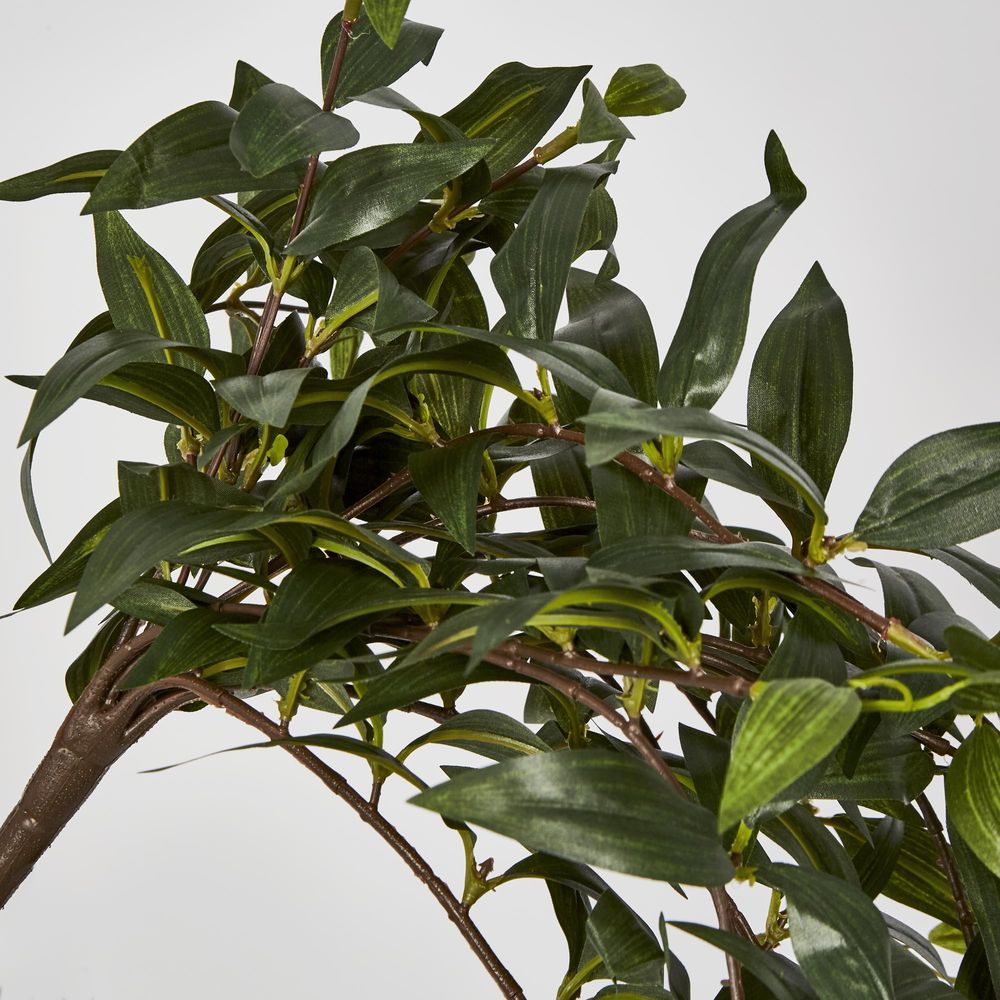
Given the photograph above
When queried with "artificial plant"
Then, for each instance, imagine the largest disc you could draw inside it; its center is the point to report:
(329, 522)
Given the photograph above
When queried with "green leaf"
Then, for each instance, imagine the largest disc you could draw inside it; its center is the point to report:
(156, 601)
(79, 370)
(972, 791)
(983, 890)
(177, 315)
(597, 123)
(642, 90)
(913, 980)
(369, 62)
(656, 556)
(709, 339)
(838, 936)
(895, 768)
(721, 464)
(387, 18)
(515, 106)
(491, 734)
(611, 431)
(347, 744)
(600, 808)
(532, 268)
(800, 388)
(28, 498)
(628, 508)
(63, 575)
(247, 80)
(187, 642)
(75, 173)
(83, 668)
(184, 156)
(981, 574)
(943, 490)
(370, 187)
(268, 399)
(906, 594)
(784, 981)
(279, 125)
(791, 726)
(628, 948)
(448, 480)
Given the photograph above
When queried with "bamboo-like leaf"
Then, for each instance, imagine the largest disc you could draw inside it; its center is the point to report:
(792, 725)
(28, 498)
(839, 938)
(75, 173)
(709, 339)
(800, 390)
(63, 575)
(370, 187)
(981, 574)
(611, 431)
(600, 808)
(532, 268)
(982, 886)
(268, 399)
(597, 122)
(626, 945)
(278, 126)
(515, 106)
(177, 314)
(943, 490)
(482, 731)
(972, 790)
(186, 155)
(642, 90)
(387, 18)
(448, 480)
(369, 62)
(906, 594)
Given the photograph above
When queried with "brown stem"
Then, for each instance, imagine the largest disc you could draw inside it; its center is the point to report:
(965, 918)
(458, 914)
(273, 300)
(723, 909)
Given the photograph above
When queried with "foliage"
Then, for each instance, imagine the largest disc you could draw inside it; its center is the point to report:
(354, 465)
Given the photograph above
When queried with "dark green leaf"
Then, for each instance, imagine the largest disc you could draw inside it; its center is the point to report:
(838, 936)
(907, 595)
(784, 981)
(369, 62)
(791, 726)
(643, 90)
(63, 575)
(532, 268)
(177, 316)
(894, 768)
(806, 650)
(597, 123)
(983, 576)
(83, 668)
(28, 498)
(156, 601)
(184, 156)
(268, 399)
(943, 490)
(983, 890)
(913, 980)
(717, 462)
(611, 431)
(972, 789)
(876, 861)
(448, 480)
(709, 340)
(515, 106)
(628, 948)
(800, 388)
(387, 18)
(628, 508)
(247, 80)
(370, 187)
(482, 731)
(600, 808)
(279, 125)
(75, 173)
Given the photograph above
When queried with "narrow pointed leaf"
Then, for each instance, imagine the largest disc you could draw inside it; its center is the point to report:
(268, 399)
(28, 498)
(839, 938)
(600, 808)
(972, 790)
(448, 480)
(482, 731)
(791, 726)
(186, 155)
(629, 949)
(981, 574)
(247, 80)
(800, 383)
(942, 491)
(278, 126)
(532, 268)
(75, 173)
(369, 62)
(709, 340)
(642, 90)
(515, 106)
(597, 122)
(982, 886)
(370, 187)
(387, 18)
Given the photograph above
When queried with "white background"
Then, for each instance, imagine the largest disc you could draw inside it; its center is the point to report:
(239, 876)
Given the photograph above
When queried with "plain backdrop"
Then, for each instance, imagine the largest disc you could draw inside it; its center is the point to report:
(239, 875)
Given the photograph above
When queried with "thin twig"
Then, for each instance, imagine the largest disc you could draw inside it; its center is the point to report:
(723, 909)
(965, 918)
